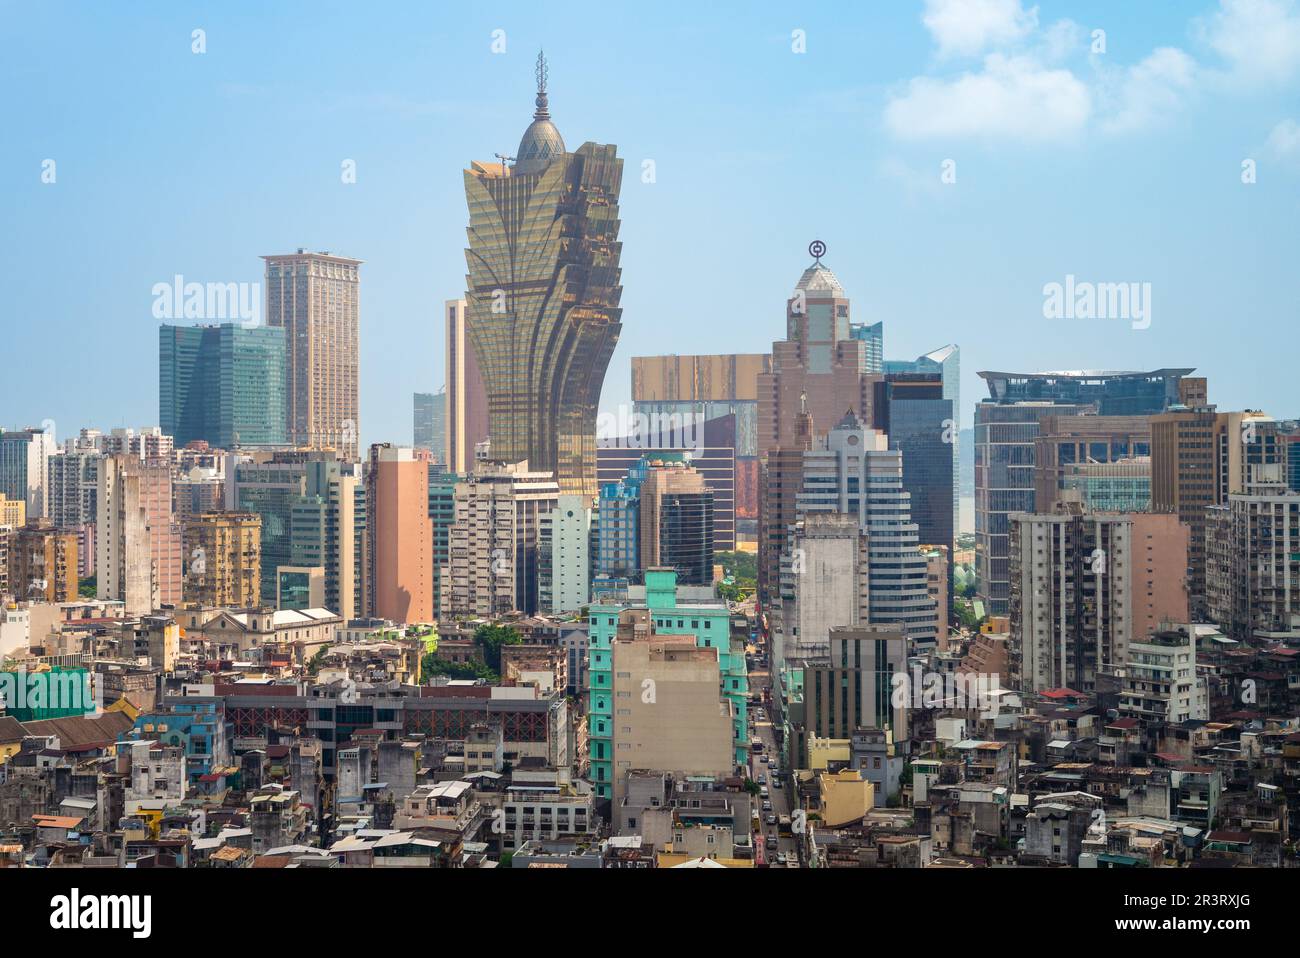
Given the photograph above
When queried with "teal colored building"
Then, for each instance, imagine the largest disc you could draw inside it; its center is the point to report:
(710, 623)
(222, 384)
(442, 510)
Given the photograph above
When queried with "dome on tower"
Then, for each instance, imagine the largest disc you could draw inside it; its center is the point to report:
(541, 142)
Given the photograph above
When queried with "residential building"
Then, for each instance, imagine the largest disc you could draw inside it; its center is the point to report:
(43, 563)
(399, 536)
(315, 299)
(564, 555)
(24, 467)
(224, 560)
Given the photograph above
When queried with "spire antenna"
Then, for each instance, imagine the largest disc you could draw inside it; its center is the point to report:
(542, 73)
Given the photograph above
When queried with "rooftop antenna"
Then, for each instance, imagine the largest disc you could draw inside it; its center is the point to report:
(505, 159)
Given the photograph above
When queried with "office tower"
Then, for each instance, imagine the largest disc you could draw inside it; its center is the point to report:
(327, 530)
(137, 540)
(676, 523)
(543, 296)
(618, 530)
(269, 486)
(222, 384)
(1123, 485)
(944, 362)
(467, 404)
(24, 467)
(818, 368)
(430, 424)
(705, 389)
(1085, 586)
(873, 334)
(13, 512)
(1253, 562)
(300, 587)
(851, 686)
(564, 555)
(1064, 442)
(399, 536)
(315, 299)
(920, 421)
(781, 478)
(854, 472)
(661, 614)
(709, 446)
(223, 566)
(493, 545)
(43, 563)
(73, 485)
(1200, 457)
(1006, 427)
(442, 513)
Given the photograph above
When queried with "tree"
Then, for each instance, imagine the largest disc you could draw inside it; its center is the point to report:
(490, 638)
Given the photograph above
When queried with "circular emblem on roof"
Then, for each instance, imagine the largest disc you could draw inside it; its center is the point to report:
(817, 249)
(852, 439)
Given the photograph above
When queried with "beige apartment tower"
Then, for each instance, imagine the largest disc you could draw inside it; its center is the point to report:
(43, 563)
(224, 560)
(137, 540)
(466, 415)
(315, 298)
(668, 714)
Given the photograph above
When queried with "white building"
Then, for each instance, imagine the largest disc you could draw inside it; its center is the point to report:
(24, 468)
(565, 547)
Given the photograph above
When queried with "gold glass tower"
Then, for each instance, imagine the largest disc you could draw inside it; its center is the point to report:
(543, 295)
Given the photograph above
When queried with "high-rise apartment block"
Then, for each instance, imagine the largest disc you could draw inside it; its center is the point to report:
(399, 536)
(315, 299)
(43, 563)
(223, 560)
(138, 541)
(467, 410)
(493, 548)
(564, 555)
(1085, 586)
(1253, 561)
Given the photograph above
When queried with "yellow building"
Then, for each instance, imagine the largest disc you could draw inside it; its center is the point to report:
(845, 797)
(223, 560)
(13, 512)
(823, 751)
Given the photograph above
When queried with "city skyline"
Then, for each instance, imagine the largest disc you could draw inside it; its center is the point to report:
(1148, 140)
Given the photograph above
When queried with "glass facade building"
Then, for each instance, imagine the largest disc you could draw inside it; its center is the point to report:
(429, 423)
(224, 385)
(542, 290)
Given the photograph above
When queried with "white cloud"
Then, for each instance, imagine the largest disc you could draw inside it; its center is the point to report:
(1284, 141)
(1151, 90)
(969, 27)
(1014, 97)
(1259, 39)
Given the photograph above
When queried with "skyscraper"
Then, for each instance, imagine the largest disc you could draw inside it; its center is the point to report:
(24, 466)
(429, 429)
(136, 535)
(543, 295)
(222, 384)
(315, 298)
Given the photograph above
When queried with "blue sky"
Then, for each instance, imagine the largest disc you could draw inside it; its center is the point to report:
(1118, 166)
